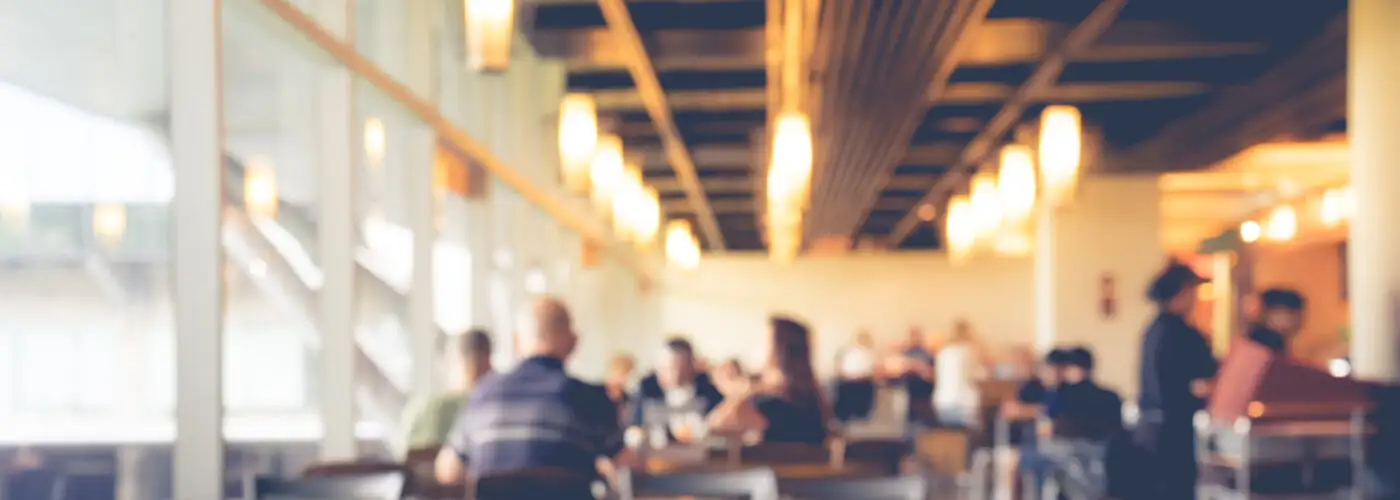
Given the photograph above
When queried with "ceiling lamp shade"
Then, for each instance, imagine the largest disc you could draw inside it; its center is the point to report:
(790, 168)
(490, 24)
(627, 203)
(109, 223)
(961, 234)
(1282, 224)
(986, 205)
(1336, 206)
(376, 142)
(1250, 231)
(260, 189)
(1016, 184)
(606, 171)
(578, 137)
(648, 217)
(1061, 149)
(682, 249)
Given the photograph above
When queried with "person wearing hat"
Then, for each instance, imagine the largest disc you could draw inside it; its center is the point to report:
(1176, 369)
(1280, 318)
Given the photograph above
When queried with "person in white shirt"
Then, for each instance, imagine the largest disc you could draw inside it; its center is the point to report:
(958, 369)
(855, 379)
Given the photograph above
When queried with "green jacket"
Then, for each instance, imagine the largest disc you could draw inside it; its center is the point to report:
(430, 422)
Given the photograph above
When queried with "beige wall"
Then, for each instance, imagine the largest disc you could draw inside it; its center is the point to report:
(724, 304)
(1314, 269)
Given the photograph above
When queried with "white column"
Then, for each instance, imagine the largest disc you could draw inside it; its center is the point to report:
(196, 138)
(422, 220)
(1043, 265)
(1373, 116)
(478, 223)
(1222, 311)
(338, 145)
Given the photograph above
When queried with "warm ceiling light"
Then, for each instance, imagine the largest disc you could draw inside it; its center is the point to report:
(790, 167)
(1061, 143)
(490, 24)
(1013, 241)
(682, 249)
(1282, 224)
(260, 188)
(376, 142)
(1016, 184)
(960, 229)
(648, 217)
(927, 212)
(1250, 231)
(626, 203)
(1336, 206)
(578, 137)
(986, 207)
(109, 223)
(606, 171)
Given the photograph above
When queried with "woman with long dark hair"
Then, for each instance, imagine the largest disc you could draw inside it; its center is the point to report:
(784, 400)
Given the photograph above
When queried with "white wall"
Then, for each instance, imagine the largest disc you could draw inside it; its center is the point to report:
(723, 305)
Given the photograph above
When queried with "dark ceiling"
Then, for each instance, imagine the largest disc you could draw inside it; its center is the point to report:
(1153, 63)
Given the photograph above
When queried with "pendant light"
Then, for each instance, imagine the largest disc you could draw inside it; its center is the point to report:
(578, 137)
(109, 223)
(985, 205)
(605, 171)
(1016, 184)
(376, 142)
(682, 249)
(1282, 224)
(960, 230)
(490, 24)
(1250, 231)
(1061, 150)
(260, 188)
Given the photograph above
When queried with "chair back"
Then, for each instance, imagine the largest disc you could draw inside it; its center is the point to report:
(871, 488)
(532, 483)
(421, 483)
(375, 486)
(749, 484)
(340, 469)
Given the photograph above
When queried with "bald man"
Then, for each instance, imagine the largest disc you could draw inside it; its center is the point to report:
(534, 416)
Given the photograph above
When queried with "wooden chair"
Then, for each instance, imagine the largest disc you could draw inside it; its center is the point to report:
(376, 486)
(750, 484)
(421, 483)
(874, 488)
(532, 483)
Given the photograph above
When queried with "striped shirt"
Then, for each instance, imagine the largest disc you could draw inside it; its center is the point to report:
(535, 416)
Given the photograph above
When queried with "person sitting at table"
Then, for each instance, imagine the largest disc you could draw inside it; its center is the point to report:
(784, 402)
(675, 386)
(430, 421)
(1280, 318)
(855, 379)
(1085, 418)
(535, 416)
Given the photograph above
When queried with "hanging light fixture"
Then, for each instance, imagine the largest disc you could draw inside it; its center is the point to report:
(648, 217)
(682, 249)
(109, 223)
(260, 188)
(1250, 231)
(1282, 224)
(490, 24)
(1336, 206)
(605, 171)
(578, 137)
(1016, 183)
(985, 204)
(1061, 143)
(376, 142)
(790, 168)
(960, 228)
(626, 203)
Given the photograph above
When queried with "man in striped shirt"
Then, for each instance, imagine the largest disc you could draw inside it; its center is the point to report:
(534, 416)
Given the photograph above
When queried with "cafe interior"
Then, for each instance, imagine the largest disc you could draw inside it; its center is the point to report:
(242, 242)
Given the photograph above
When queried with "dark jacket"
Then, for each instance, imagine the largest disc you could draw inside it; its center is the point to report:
(1088, 411)
(1273, 340)
(650, 391)
(1173, 355)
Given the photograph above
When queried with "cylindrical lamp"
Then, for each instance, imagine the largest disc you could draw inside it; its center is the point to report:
(490, 24)
(578, 137)
(605, 171)
(1061, 150)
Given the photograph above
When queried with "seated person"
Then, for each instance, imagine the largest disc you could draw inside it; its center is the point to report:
(1280, 318)
(430, 421)
(1032, 398)
(676, 385)
(535, 416)
(784, 404)
(1084, 418)
(855, 379)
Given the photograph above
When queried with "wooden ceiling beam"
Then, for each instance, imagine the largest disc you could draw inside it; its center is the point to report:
(958, 93)
(738, 156)
(999, 42)
(1040, 80)
(1303, 93)
(680, 207)
(629, 41)
(720, 185)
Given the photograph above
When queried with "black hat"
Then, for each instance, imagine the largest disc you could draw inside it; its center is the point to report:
(1284, 298)
(1175, 278)
(1080, 357)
